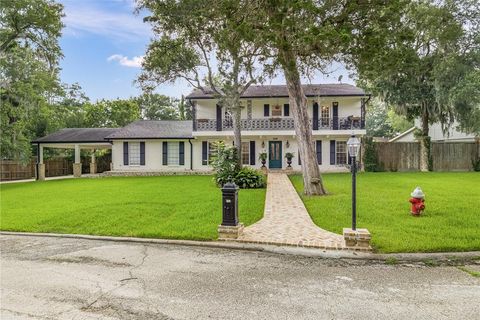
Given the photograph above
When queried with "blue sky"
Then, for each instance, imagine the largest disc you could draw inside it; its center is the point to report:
(103, 43)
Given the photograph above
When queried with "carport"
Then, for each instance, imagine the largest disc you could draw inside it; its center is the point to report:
(77, 139)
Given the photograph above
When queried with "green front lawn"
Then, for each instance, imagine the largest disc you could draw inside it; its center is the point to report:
(176, 207)
(451, 221)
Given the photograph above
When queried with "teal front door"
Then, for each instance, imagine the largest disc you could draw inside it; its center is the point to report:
(275, 155)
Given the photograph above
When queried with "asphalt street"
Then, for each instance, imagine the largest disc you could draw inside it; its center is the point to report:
(56, 278)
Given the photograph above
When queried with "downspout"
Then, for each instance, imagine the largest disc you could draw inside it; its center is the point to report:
(191, 154)
(37, 176)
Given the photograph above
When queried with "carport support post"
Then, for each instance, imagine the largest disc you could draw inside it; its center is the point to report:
(77, 166)
(40, 164)
(93, 163)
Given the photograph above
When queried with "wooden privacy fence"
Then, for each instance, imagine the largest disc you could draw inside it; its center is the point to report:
(454, 156)
(447, 156)
(399, 156)
(14, 170)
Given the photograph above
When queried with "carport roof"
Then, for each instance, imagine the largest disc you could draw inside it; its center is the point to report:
(77, 135)
(155, 129)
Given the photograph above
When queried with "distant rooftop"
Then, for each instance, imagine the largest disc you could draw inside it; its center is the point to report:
(311, 90)
(77, 135)
(154, 129)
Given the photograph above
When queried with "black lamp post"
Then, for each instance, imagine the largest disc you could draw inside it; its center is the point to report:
(353, 145)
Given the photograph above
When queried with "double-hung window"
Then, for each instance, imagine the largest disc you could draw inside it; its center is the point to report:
(245, 153)
(134, 153)
(173, 154)
(341, 152)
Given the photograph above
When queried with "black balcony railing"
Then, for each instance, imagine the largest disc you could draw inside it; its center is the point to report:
(336, 123)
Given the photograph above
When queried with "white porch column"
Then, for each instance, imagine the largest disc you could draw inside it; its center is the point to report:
(77, 166)
(93, 163)
(40, 164)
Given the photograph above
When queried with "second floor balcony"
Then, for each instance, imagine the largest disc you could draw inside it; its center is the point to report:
(333, 123)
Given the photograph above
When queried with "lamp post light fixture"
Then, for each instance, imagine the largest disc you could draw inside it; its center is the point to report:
(353, 145)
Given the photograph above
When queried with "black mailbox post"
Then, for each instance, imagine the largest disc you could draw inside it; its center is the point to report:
(230, 204)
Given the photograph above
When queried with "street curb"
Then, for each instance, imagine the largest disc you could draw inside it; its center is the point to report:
(393, 258)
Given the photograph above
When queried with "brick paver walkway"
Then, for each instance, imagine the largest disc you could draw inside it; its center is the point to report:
(286, 220)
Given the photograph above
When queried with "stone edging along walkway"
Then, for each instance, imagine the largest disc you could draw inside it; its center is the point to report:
(275, 249)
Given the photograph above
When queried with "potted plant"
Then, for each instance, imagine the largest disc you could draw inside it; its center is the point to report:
(289, 156)
(263, 158)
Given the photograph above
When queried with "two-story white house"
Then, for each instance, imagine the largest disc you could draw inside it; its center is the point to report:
(336, 110)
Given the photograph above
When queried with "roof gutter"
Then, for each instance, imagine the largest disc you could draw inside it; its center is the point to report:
(191, 154)
(37, 165)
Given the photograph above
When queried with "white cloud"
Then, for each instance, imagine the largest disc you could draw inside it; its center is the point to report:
(135, 62)
(87, 17)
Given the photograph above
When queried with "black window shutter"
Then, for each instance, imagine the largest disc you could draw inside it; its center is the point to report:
(252, 153)
(266, 110)
(319, 151)
(299, 160)
(165, 153)
(335, 115)
(181, 153)
(286, 110)
(315, 116)
(142, 153)
(125, 153)
(204, 153)
(219, 118)
(332, 152)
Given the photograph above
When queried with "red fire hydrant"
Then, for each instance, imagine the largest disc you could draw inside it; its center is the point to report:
(418, 202)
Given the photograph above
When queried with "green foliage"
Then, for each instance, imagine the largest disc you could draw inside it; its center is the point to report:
(111, 113)
(262, 156)
(29, 54)
(289, 155)
(156, 106)
(476, 164)
(425, 68)
(382, 121)
(249, 178)
(224, 163)
(370, 156)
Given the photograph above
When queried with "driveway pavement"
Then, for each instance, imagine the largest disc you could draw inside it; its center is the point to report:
(55, 278)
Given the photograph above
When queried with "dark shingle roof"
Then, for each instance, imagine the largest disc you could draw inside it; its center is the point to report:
(311, 90)
(77, 135)
(154, 129)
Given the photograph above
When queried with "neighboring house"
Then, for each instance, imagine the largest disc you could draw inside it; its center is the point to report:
(436, 134)
(336, 110)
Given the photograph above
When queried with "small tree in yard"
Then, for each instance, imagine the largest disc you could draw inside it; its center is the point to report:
(204, 43)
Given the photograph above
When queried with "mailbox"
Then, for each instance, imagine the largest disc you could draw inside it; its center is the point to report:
(230, 204)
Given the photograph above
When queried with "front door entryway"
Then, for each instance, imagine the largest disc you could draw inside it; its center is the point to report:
(275, 155)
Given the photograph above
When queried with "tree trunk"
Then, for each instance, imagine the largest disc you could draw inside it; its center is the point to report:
(312, 181)
(237, 133)
(425, 142)
(234, 107)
